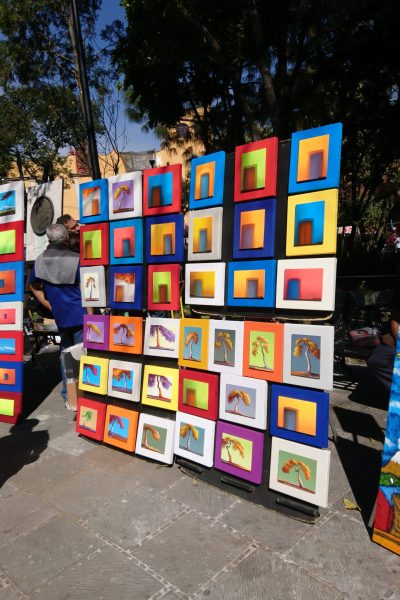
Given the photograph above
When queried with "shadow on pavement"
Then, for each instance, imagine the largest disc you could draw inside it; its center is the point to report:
(359, 424)
(41, 375)
(22, 447)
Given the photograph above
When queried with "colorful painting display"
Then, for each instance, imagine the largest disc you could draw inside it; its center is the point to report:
(207, 181)
(307, 348)
(12, 241)
(198, 394)
(125, 196)
(93, 374)
(306, 284)
(255, 170)
(93, 286)
(93, 201)
(204, 284)
(126, 242)
(12, 282)
(10, 407)
(163, 287)
(243, 401)
(300, 471)
(126, 334)
(124, 380)
(11, 316)
(94, 246)
(205, 234)
(162, 190)
(300, 415)
(226, 346)
(263, 350)
(11, 376)
(194, 439)
(161, 337)
(126, 287)
(155, 438)
(12, 202)
(239, 451)
(120, 427)
(90, 418)
(96, 332)
(252, 283)
(160, 387)
(254, 229)
(194, 343)
(164, 239)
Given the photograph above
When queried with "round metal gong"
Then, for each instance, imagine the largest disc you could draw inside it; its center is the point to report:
(42, 215)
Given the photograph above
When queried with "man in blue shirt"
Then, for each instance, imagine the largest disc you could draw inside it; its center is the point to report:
(54, 282)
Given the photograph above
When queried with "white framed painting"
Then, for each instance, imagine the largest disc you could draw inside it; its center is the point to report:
(155, 438)
(225, 348)
(306, 283)
(12, 202)
(308, 355)
(44, 205)
(205, 234)
(161, 337)
(300, 471)
(243, 400)
(124, 380)
(11, 316)
(194, 439)
(125, 196)
(93, 286)
(205, 284)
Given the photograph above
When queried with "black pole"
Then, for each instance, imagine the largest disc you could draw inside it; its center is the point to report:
(87, 106)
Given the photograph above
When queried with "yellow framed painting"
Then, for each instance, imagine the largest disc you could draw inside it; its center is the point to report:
(312, 223)
(93, 374)
(194, 343)
(160, 387)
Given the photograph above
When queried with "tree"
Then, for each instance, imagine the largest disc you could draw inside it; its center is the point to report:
(187, 431)
(223, 339)
(90, 326)
(87, 367)
(229, 443)
(239, 396)
(298, 466)
(261, 344)
(158, 331)
(191, 338)
(161, 382)
(87, 416)
(149, 429)
(91, 284)
(309, 348)
(115, 419)
(126, 333)
(123, 374)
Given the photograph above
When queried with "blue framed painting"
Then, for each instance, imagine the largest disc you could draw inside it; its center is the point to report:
(207, 180)
(300, 415)
(126, 242)
(252, 283)
(315, 159)
(12, 281)
(126, 287)
(164, 239)
(93, 201)
(254, 229)
(11, 376)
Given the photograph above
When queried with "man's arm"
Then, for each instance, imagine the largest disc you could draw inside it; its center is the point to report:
(37, 291)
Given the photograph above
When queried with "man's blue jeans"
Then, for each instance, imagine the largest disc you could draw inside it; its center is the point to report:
(69, 337)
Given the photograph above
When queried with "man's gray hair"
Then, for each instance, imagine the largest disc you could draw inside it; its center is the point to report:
(57, 233)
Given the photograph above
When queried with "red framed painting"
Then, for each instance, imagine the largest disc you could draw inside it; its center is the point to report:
(162, 190)
(94, 241)
(163, 287)
(10, 407)
(255, 170)
(90, 418)
(12, 241)
(11, 346)
(198, 393)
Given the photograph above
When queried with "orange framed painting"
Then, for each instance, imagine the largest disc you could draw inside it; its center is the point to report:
(126, 334)
(263, 351)
(120, 427)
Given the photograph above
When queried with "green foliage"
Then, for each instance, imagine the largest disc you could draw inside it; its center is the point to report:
(387, 479)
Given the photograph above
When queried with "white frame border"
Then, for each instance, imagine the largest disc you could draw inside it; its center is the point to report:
(216, 252)
(136, 177)
(328, 283)
(169, 425)
(219, 269)
(172, 323)
(102, 301)
(238, 327)
(261, 388)
(136, 368)
(209, 438)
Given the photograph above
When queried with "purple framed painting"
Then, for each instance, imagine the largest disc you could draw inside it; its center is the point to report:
(239, 451)
(96, 331)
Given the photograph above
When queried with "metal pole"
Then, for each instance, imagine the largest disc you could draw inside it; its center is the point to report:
(87, 106)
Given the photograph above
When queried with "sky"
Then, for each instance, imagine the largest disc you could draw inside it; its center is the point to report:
(137, 139)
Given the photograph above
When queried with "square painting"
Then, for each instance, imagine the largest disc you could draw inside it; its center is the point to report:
(207, 180)
(93, 374)
(194, 439)
(12, 241)
(161, 337)
(12, 202)
(11, 316)
(198, 394)
(155, 438)
(96, 332)
(263, 350)
(125, 196)
(94, 248)
(93, 286)
(163, 287)
(126, 242)
(300, 415)
(120, 427)
(162, 190)
(10, 407)
(11, 376)
(243, 401)
(90, 417)
(126, 287)
(11, 346)
(205, 284)
(12, 281)
(308, 356)
(164, 239)
(312, 223)
(315, 159)
(160, 387)
(205, 234)
(252, 283)
(255, 170)
(239, 451)
(93, 201)
(306, 284)
(194, 343)
(300, 471)
(254, 229)
(124, 380)
(126, 334)
(226, 346)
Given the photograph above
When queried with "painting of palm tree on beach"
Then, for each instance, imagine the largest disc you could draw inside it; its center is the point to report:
(236, 451)
(88, 418)
(122, 380)
(94, 332)
(161, 337)
(122, 193)
(224, 347)
(192, 343)
(191, 438)
(240, 400)
(118, 428)
(7, 203)
(306, 354)
(159, 387)
(154, 438)
(261, 350)
(123, 334)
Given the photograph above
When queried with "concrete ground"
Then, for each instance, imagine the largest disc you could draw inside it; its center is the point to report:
(82, 521)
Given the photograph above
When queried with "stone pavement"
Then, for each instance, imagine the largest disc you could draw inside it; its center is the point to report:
(82, 521)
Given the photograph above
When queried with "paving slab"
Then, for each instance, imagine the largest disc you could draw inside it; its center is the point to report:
(338, 482)
(9, 593)
(32, 560)
(190, 551)
(201, 497)
(21, 512)
(264, 575)
(130, 517)
(341, 553)
(106, 574)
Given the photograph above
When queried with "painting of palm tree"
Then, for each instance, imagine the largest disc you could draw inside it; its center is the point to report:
(123, 196)
(88, 419)
(122, 380)
(260, 347)
(306, 353)
(90, 286)
(118, 427)
(300, 470)
(192, 345)
(153, 438)
(224, 347)
(124, 334)
(233, 452)
(191, 438)
(237, 397)
(91, 374)
(162, 384)
(162, 337)
(93, 333)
